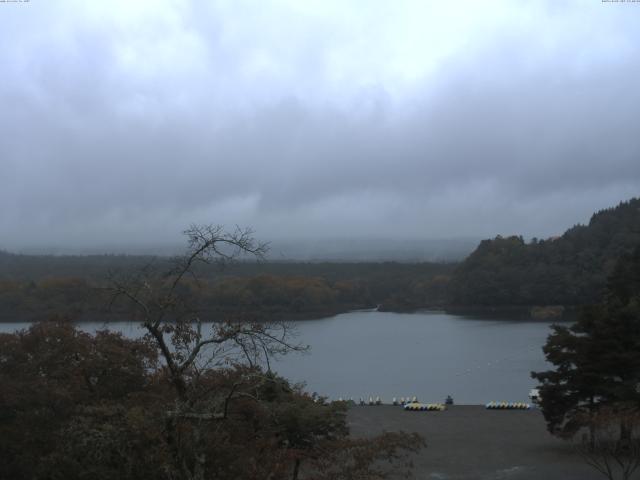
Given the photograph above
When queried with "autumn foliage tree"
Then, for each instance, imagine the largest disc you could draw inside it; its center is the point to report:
(190, 400)
(49, 375)
(75, 405)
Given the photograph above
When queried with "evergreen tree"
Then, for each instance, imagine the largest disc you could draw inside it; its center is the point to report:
(597, 360)
(571, 269)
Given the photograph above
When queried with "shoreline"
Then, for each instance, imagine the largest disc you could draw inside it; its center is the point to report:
(507, 313)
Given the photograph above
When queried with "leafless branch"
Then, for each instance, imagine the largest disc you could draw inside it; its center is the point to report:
(614, 444)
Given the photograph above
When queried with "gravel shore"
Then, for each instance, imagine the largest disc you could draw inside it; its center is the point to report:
(470, 442)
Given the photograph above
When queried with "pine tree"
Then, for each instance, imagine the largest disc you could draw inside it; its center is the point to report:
(597, 360)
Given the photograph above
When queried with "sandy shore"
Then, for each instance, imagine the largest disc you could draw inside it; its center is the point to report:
(470, 442)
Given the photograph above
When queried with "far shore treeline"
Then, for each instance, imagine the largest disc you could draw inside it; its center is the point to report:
(509, 273)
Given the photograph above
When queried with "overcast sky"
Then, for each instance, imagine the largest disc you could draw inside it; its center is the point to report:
(125, 121)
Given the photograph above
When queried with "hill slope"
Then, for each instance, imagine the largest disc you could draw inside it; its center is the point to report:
(569, 270)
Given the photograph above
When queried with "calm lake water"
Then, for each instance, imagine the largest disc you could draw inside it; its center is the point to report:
(427, 354)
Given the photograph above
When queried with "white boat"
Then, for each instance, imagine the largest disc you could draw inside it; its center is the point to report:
(534, 395)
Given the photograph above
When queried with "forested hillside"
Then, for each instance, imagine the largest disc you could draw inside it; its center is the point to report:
(567, 270)
(37, 287)
(506, 271)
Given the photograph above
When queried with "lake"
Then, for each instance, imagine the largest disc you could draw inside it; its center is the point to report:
(426, 354)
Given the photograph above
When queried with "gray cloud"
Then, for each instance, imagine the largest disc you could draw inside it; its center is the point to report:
(127, 123)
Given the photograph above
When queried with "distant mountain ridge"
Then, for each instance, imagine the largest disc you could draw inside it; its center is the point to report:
(568, 270)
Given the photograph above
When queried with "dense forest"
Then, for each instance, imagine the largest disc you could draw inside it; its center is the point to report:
(568, 270)
(35, 287)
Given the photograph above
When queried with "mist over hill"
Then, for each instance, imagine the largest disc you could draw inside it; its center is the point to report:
(357, 249)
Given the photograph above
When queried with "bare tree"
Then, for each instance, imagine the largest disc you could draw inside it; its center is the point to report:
(612, 446)
(162, 303)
